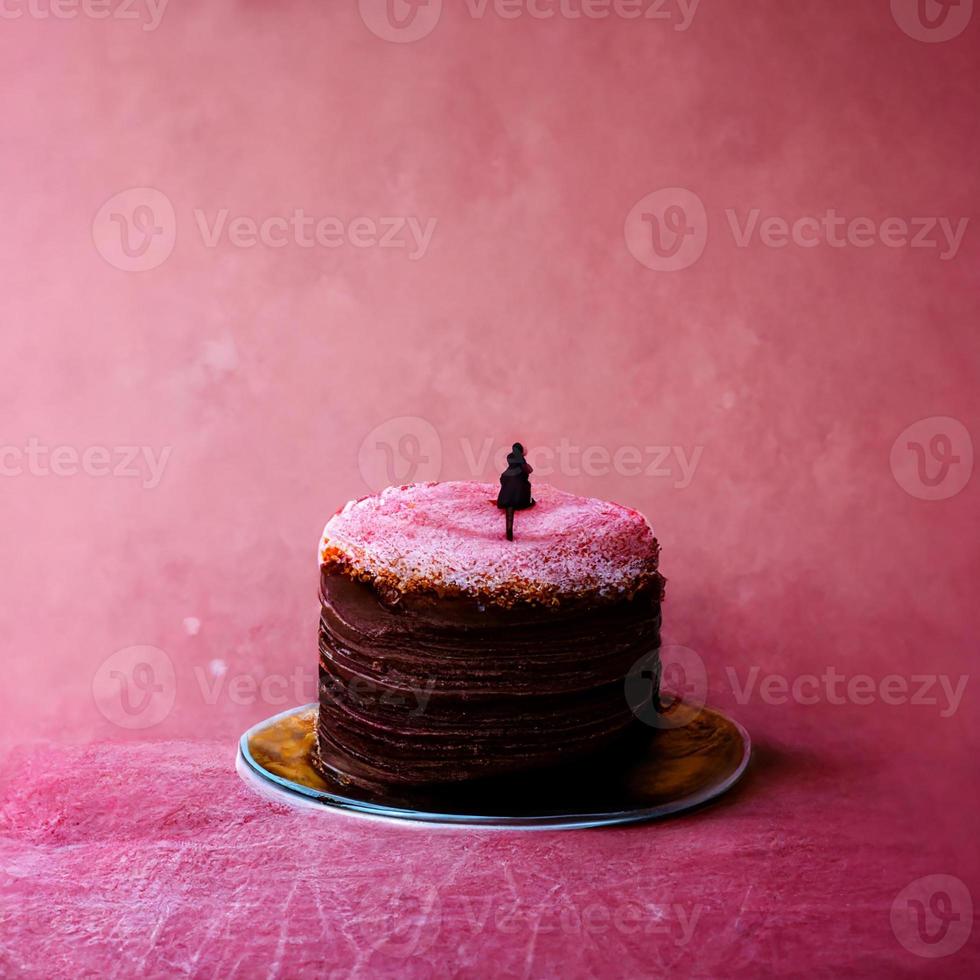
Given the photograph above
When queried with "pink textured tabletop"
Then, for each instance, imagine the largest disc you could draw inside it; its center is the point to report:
(155, 860)
(717, 263)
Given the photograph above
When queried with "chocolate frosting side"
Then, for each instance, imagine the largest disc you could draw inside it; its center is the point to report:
(434, 690)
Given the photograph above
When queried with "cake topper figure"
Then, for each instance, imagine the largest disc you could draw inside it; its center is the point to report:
(515, 487)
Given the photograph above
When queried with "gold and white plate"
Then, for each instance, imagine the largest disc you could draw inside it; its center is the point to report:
(659, 773)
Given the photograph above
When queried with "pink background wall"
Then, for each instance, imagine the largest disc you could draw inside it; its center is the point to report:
(781, 377)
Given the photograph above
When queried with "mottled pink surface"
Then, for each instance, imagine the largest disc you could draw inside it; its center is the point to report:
(451, 537)
(791, 403)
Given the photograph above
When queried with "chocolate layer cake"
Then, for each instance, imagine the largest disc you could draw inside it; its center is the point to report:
(448, 653)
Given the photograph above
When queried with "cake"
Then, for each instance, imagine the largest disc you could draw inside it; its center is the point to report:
(449, 654)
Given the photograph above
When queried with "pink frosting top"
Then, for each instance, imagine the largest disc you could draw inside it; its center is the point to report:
(449, 538)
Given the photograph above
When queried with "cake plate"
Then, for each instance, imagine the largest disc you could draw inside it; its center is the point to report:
(661, 772)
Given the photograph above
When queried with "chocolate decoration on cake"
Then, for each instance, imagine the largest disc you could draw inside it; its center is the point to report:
(515, 486)
(448, 655)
